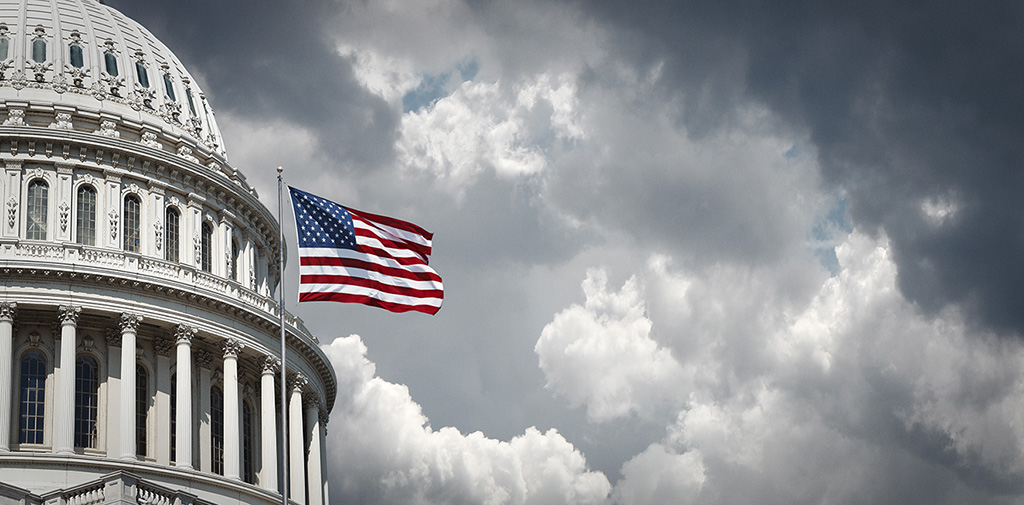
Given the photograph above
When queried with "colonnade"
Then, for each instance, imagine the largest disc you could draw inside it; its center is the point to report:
(305, 416)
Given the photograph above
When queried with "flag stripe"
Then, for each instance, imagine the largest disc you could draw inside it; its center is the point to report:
(389, 241)
(346, 257)
(369, 300)
(371, 283)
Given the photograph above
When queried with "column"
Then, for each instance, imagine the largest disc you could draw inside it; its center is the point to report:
(316, 485)
(203, 362)
(296, 448)
(8, 310)
(183, 422)
(268, 418)
(113, 392)
(323, 455)
(232, 426)
(64, 404)
(129, 328)
(163, 346)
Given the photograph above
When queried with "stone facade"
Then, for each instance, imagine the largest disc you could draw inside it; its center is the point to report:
(139, 337)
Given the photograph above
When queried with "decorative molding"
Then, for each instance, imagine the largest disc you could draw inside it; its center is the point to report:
(34, 339)
(68, 314)
(87, 344)
(231, 348)
(183, 334)
(15, 117)
(8, 311)
(130, 322)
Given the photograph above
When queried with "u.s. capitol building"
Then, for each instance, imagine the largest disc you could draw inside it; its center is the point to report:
(139, 337)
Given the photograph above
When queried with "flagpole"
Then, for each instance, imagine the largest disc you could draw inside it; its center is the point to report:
(285, 478)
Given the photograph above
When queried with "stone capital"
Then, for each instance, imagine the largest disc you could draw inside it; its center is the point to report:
(8, 311)
(297, 382)
(231, 348)
(130, 322)
(68, 314)
(184, 333)
(270, 365)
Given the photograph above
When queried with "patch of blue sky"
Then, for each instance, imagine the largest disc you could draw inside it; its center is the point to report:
(437, 86)
(828, 231)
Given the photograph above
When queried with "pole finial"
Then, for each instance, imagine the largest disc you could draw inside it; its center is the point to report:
(280, 169)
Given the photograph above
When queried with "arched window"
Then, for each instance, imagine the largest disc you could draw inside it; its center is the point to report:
(174, 416)
(140, 71)
(172, 233)
(248, 441)
(86, 400)
(234, 260)
(191, 104)
(32, 403)
(39, 51)
(141, 408)
(169, 87)
(206, 261)
(38, 201)
(217, 429)
(85, 216)
(77, 58)
(110, 62)
(132, 223)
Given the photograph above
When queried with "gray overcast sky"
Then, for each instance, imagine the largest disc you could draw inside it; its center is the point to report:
(694, 252)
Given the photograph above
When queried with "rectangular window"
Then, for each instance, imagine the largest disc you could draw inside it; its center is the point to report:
(85, 216)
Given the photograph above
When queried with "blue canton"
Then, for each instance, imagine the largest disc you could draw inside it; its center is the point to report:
(322, 223)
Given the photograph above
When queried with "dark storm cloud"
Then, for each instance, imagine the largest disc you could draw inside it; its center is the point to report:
(268, 60)
(905, 101)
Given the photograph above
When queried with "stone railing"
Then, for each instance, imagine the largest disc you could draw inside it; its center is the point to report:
(142, 267)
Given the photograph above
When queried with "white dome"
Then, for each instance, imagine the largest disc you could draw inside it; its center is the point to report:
(83, 54)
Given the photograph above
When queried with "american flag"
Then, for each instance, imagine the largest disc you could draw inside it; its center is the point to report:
(346, 255)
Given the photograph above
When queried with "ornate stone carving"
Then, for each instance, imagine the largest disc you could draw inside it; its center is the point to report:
(62, 121)
(64, 211)
(12, 212)
(198, 243)
(186, 152)
(113, 338)
(231, 348)
(203, 358)
(130, 322)
(270, 364)
(158, 231)
(18, 81)
(15, 117)
(113, 222)
(149, 139)
(68, 314)
(78, 75)
(183, 334)
(297, 382)
(108, 128)
(8, 311)
(87, 343)
(34, 338)
(323, 420)
(162, 346)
